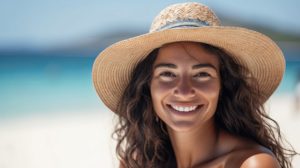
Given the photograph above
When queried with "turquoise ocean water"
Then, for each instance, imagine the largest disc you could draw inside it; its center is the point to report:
(43, 84)
(35, 84)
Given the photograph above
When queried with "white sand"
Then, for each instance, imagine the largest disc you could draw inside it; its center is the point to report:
(64, 141)
(82, 140)
(282, 109)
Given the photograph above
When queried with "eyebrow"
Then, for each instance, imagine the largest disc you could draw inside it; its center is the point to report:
(168, 65)
(197, 66)
(203, 66)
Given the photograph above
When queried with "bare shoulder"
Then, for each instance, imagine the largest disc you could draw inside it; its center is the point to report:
(265, 160)
(245, 153)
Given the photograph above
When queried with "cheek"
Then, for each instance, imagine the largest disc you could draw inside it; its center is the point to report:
(210, 92)
(159, 91)
(210, 89)
(160, 88)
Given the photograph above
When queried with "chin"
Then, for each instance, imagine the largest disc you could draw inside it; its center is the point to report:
(182, 126)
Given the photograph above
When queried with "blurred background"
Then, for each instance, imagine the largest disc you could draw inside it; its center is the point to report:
(50, 115)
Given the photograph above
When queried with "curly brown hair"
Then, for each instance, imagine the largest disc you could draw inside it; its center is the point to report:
(142, 140)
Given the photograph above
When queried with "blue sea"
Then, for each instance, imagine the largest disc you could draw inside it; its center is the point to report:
(55, 84)
(44, 84)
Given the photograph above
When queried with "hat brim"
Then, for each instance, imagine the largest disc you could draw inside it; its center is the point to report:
(114, 65)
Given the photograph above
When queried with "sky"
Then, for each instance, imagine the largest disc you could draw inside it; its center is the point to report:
(40, 23)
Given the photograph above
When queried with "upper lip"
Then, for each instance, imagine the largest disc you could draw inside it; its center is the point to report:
(183, 104)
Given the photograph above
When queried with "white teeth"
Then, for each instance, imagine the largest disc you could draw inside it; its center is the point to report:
(184, 109)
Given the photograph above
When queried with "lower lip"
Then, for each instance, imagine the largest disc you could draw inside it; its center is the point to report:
(184, 113)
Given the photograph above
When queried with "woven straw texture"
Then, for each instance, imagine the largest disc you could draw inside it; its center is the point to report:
(113, 66)
(184, 11)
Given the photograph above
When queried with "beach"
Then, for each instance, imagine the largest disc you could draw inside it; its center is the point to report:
(83, 139)
(78, 140)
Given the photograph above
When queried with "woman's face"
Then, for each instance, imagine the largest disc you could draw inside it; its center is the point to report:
(185, 86)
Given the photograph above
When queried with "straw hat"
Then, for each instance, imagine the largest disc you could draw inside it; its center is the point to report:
(187, 22)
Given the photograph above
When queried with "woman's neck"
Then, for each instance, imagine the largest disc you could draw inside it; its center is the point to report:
(196, 146)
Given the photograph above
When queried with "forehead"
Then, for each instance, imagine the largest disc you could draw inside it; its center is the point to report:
(185, 52)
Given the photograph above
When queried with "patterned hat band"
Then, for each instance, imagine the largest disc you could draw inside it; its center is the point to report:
(187, 23)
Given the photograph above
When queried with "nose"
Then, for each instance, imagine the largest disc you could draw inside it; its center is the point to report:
(184, 89)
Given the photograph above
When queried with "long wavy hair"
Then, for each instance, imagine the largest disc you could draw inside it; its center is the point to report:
(142, 140)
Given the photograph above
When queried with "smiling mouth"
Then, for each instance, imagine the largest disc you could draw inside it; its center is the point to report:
(184, 109)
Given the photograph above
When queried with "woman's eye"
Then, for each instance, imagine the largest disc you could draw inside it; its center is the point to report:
(202, 75)
(167, 75)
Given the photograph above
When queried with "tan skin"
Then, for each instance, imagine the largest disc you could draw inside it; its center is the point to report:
(185, 89)
(187, 78)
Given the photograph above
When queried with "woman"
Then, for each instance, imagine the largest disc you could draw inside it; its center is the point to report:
(190, 93)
